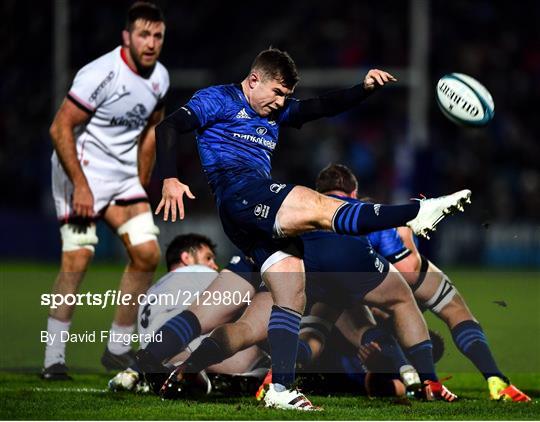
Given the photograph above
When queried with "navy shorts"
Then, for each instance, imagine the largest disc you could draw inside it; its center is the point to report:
(340, 269)
(248, 213)
(243, 267)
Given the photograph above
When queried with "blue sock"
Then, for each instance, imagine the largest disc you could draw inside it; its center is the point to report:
(283, 338)
(421, 357)
(472, 342)
(303, 356)
(208, 353)
(390, 347)
(176, 333)
(362, 218)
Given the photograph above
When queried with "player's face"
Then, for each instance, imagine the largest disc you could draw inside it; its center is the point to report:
(267, 95)
(205, 256)
(145, 41)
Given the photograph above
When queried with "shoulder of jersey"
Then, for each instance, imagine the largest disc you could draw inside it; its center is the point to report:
(106, 62)
(195, 269)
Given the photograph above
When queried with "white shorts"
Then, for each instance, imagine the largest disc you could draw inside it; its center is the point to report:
(106, 192)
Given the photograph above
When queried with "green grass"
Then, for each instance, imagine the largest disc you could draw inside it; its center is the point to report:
(24, 396)
(513, 332)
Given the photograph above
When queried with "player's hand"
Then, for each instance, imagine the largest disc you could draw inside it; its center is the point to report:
(83, 201)
(376, 78)
(172, 199)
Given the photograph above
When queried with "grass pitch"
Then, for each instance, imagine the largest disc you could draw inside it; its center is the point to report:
(506, 303)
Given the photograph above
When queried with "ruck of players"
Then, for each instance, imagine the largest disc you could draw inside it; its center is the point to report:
(333, 286)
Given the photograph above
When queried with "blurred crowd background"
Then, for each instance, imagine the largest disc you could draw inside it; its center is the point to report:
(496, 42)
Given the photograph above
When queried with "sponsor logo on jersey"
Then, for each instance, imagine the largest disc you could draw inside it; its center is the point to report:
(235, 260)
(276, 187)
(261, 131)
(272, 122)
(155, 86)
(100, 87)
(257, 140)
(133, 119)
(377, 209)
(400, 255)
(242, 114)
(261, 210)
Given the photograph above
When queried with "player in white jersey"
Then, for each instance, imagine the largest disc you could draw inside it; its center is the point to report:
(104, 141)
(192, 269)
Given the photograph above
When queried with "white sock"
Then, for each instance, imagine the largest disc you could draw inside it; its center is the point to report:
(55, 351)
(124, 345)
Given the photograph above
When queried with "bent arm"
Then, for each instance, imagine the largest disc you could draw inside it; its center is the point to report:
(146, 155)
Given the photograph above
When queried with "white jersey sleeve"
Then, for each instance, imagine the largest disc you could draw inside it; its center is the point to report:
(91, 85)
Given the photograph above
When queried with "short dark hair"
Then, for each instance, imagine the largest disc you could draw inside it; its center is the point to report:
(144, 10)
(278, 65)
(186, 243)
(336, 177)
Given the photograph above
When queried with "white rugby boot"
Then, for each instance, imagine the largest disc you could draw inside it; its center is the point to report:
(433, 210)
(277, 396)
(125, 380)
(410, 378)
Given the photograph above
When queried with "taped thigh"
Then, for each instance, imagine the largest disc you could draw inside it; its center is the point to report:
(442, 297)
(139, 229)
(78, 236)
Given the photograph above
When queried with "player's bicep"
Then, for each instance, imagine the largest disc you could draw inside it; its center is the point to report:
(69, 116)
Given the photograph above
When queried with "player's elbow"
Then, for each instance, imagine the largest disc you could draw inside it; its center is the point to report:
(54, 130)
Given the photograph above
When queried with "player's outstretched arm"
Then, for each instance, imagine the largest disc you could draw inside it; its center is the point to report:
(169, 132)
(67, 118)
(338, 101)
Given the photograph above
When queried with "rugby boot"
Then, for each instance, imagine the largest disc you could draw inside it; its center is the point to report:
(435, 390)
(259, 395)
(278, 397)
(433, 210)
(56, 372)
(501, 390)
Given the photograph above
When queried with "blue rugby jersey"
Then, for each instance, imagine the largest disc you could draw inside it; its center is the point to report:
(389, 244)
(234, 142)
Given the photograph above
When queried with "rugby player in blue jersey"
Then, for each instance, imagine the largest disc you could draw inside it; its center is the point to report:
(237, 129)
(432, 288)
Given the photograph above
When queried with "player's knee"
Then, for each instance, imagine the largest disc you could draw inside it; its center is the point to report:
(76, 262)
(78, 236)
(138, 230)
(145, 257)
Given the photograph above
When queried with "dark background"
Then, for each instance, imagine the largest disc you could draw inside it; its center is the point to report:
(496, 42)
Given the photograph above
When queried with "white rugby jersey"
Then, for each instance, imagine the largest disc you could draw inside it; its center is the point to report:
(120, 101)
(182, 284)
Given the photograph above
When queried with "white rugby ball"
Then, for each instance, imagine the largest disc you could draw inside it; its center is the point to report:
(464, 100)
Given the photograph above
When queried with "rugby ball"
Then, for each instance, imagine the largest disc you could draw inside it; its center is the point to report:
(464, 100)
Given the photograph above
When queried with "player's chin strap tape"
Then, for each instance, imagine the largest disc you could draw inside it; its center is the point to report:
(442, 297)
(78, 236)
(424, 264)
(139, 229)
(319, 327)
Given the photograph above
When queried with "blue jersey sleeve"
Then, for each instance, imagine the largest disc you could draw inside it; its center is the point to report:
(208, 105)
(286, 116)
(389, 244)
